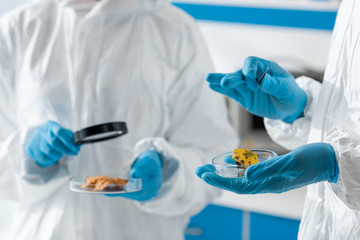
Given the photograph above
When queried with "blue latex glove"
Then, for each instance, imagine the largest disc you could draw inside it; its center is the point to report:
(49, 143)
(305, 165)
(277, 97)
(148, 167)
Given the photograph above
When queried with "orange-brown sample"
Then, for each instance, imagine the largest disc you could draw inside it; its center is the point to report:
(244, 157)
(99, 183)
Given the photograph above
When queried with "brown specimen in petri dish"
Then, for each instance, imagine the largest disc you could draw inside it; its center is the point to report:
(104, 183)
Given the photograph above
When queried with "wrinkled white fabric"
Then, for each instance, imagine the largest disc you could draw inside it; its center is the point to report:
(85, 63)
(299, 130)
(332, 210)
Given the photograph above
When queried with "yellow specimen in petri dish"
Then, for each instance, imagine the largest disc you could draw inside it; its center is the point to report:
(244, 157)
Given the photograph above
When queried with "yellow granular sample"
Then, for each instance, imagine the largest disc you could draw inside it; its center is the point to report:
(244, 157)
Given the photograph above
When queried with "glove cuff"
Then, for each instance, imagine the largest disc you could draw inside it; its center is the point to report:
(154, 155)
(300, 112)
(335, 170)
(169, 162)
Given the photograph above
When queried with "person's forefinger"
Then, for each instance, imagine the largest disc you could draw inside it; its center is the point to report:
(59, 146)
(203, 169)
(215, 78)
(67, 138)
(231, 93)
(232, 80)
(275, 184)
(253, 69)
(214, 180)
(222, 182)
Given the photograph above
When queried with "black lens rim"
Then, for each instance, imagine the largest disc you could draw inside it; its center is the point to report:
(119, 129)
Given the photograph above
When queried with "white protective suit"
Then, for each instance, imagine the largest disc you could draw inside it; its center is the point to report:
(332, 115)
(85, 63)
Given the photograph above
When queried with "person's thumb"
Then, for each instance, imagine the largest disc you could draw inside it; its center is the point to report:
(270, 85)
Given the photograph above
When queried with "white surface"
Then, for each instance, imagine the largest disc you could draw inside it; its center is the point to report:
(294, 49)
(288, 204)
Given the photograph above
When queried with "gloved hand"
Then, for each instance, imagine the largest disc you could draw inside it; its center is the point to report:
(277, 97)
(148, 167)
(49, 143)
(305, 165)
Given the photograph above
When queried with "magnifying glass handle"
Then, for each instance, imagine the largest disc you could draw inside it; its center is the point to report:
(263, 75)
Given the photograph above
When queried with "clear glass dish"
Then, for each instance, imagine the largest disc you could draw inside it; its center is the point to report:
(225, 165)
(133, 185)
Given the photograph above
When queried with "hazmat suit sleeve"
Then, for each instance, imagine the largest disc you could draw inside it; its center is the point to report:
(8, 53)
(198, 129)
(347, 150)
(291, 136)
(15, 166)
(345, 144)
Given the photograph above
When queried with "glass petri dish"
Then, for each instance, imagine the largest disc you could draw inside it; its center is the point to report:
(225, 165)
(133, 185)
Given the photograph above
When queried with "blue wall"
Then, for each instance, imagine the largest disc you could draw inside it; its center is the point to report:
(323, 20)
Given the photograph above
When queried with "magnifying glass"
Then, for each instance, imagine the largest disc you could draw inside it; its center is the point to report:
(100, 132)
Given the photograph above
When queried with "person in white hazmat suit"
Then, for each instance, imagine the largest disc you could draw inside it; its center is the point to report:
(67, 65)
(321, 122)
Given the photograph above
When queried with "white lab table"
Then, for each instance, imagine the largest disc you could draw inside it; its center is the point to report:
(288, 204)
